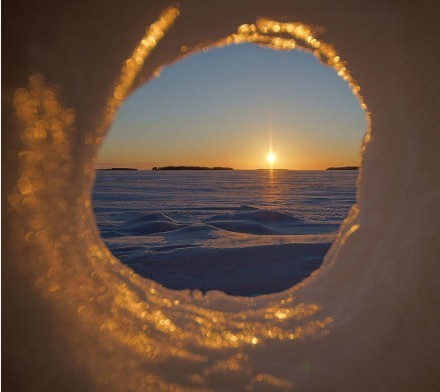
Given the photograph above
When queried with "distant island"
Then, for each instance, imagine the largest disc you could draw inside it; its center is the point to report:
(119, 168)
(344, 168)
(191, 168)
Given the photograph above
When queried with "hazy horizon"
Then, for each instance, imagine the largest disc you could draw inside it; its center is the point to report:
(226, 107)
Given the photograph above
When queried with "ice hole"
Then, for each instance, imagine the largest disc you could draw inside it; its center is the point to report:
(257, 229)
(78, 319)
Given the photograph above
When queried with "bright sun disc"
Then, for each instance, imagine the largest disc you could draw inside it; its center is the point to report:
(271, 157)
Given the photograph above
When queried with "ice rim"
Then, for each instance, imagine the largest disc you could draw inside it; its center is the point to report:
(104, 301)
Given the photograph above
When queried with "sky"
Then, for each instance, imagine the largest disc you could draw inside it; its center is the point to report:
(226, 107)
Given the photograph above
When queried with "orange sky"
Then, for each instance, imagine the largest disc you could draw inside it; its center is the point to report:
(222, 108)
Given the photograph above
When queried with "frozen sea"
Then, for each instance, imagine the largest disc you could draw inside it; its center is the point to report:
(241, 232)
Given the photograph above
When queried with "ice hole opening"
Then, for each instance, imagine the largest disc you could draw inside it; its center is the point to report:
(260, 228)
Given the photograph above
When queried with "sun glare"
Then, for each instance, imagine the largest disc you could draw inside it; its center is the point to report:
(271, 158)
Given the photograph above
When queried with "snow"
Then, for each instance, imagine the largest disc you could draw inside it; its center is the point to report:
(244, 250)
(75, 318)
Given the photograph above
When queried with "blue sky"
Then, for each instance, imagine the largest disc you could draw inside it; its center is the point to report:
(221, 107)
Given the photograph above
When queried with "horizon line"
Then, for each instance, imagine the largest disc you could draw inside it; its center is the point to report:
(231, 169)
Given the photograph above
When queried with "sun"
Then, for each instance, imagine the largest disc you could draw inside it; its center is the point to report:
(271, 158)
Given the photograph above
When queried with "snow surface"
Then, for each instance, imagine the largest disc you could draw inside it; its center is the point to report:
(241, 232)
